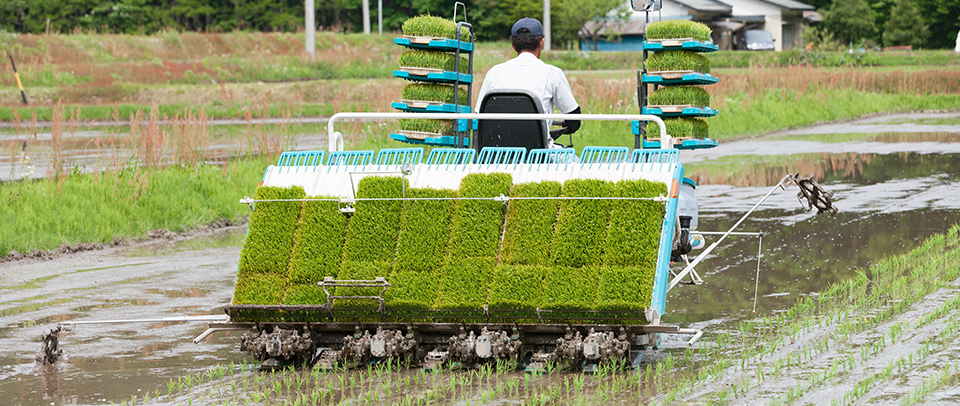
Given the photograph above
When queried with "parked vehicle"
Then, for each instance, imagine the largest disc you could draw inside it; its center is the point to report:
(755, 40)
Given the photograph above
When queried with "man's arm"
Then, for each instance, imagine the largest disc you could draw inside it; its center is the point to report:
(563, 99)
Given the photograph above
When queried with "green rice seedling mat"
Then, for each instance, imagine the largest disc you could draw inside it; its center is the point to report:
(431, 62)
(262, 272)
(624, 291)
(681, 127)
(259, 288)
(581, 228)
(434, 44)
(528, 233)
(304, 294)
(569, 292)
(420, 128)
(433, 27)
(268, 245)
(411, 291)
(515, 287)
(365, 308)
(669, 64)
(633, 237)
(672, 29)
(318, 242)
(477, 224)
(680, 96)
(424, 230)
(371, 233)
(432, 92)
(464, 284)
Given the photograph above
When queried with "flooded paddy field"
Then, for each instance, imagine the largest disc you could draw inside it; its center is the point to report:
(882, 336)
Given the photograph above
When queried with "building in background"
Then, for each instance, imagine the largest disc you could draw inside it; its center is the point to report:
(729, 19)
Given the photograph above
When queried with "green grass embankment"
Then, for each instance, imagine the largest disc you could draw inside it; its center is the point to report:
(42, 214)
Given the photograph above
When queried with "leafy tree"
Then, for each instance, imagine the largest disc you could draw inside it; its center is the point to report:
(943, 20)
(905, 27)
(850, 20)
(605, 14)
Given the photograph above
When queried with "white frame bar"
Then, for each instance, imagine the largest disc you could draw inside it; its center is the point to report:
(335, 139)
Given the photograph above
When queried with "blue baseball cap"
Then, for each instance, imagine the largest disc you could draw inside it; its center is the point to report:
(531, 24)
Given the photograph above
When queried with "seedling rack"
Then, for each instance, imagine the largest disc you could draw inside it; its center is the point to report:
(462, 129)
(672, 78)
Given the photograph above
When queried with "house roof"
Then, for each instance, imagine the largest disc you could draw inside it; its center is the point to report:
(705, 5)
(790, 5)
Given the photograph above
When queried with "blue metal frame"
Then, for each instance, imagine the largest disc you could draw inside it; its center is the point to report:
(505, 156)
(398, 156)
(611, 156)
(451, 157)
(343, 159)
(548, 158)
(662, 277)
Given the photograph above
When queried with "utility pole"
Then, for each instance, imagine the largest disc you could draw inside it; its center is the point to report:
(366, 17)
(380, 16)
(311, 26)
(546, 25)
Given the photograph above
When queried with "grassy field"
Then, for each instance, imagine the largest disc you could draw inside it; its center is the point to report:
(253, 76)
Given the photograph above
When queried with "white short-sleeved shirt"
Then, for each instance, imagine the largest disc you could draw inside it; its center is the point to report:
(527, 72)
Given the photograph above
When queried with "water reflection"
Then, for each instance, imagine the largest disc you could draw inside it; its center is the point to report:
(864, 169)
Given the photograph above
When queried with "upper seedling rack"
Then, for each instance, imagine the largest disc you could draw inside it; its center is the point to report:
(676, 62)
(433, 37)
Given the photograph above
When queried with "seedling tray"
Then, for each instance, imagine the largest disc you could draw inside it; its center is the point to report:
(434, 43)
(688, 44)
(680, 111)
(682, 143)
(440, 141)
(421, 106)
(431, 75)
(679, 78)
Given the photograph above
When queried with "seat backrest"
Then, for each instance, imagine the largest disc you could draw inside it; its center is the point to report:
(529, 134)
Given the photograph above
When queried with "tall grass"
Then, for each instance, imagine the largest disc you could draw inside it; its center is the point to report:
(83, 208)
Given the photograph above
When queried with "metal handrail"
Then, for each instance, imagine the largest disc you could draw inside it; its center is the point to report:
(335, 139)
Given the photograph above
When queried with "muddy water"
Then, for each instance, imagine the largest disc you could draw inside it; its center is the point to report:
(892, 189)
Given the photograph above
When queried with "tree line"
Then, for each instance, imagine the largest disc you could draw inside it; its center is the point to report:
(921, 23)
(492, 19)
